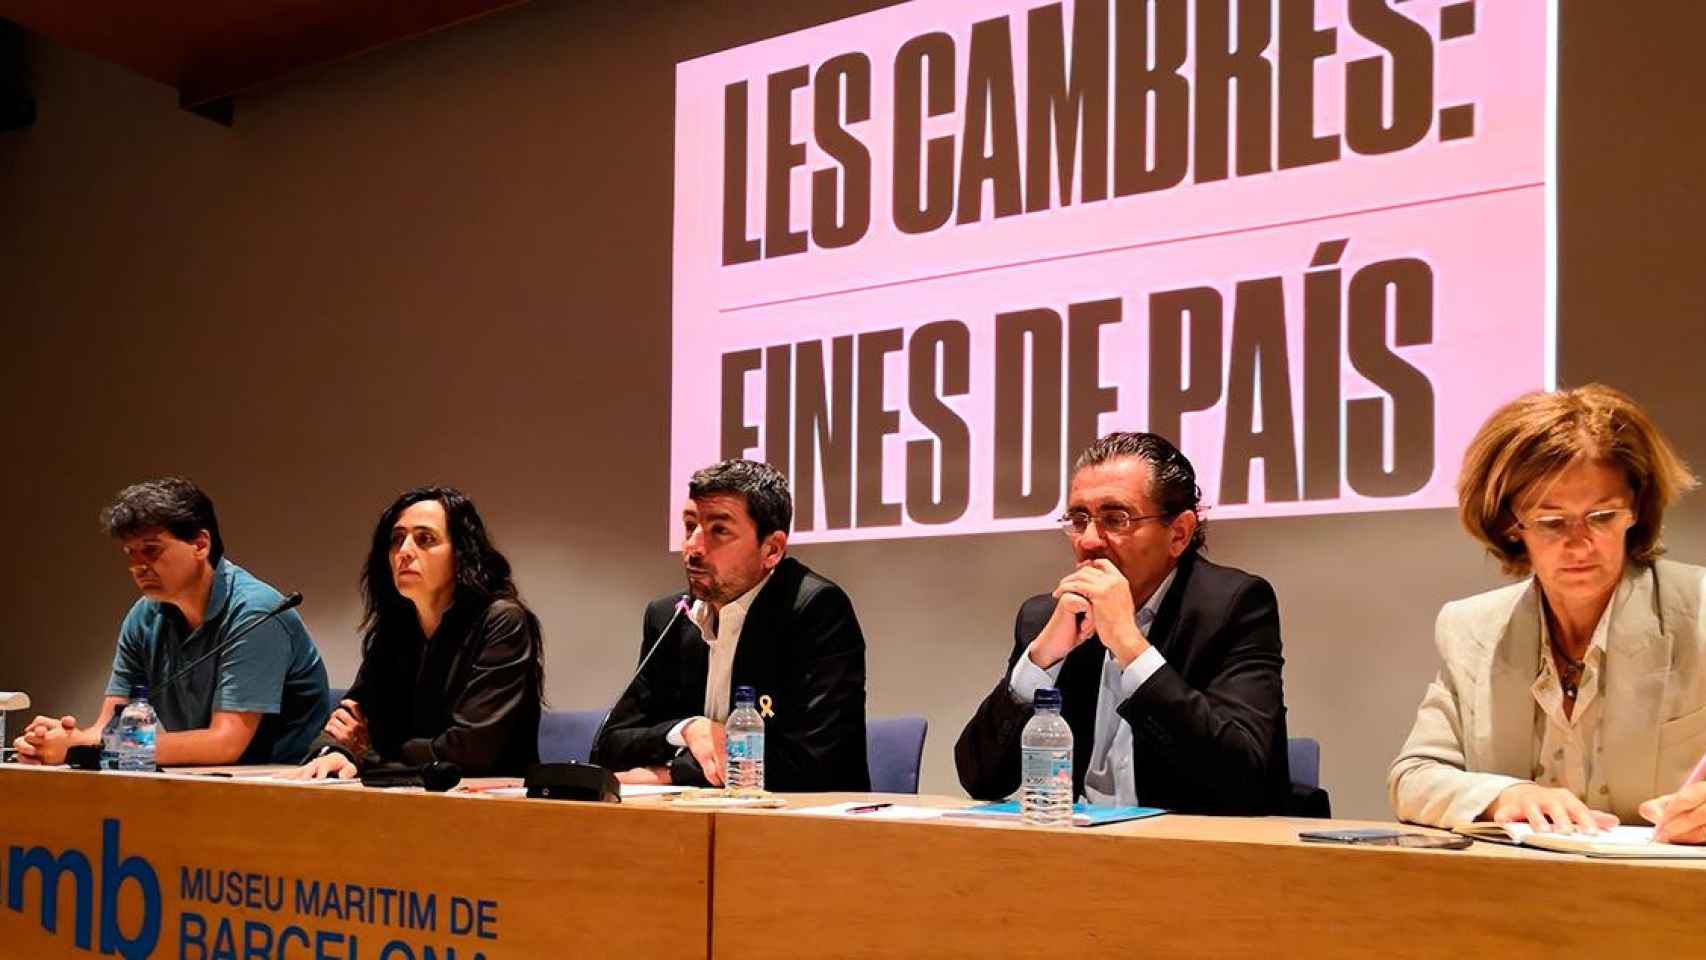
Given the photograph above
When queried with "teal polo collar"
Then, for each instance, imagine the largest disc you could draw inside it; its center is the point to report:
(220, 597)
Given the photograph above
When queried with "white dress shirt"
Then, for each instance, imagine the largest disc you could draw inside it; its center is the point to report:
(1567, 748)
(722, 640)
(1110, 778)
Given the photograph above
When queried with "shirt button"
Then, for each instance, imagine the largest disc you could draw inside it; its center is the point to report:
(1603, 789)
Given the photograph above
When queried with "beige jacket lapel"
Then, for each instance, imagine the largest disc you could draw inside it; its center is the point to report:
(1637, 667)
(1504, 721)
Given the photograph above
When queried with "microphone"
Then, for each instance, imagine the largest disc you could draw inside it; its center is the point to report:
(437, 776)
(294, 600)
(680, 608)
(590, 781)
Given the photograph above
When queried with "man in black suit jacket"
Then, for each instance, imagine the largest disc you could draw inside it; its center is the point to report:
(758, 619)
(1168, 664)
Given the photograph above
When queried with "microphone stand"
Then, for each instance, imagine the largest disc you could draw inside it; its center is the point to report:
(294, 600)
(575, 780)
(680, 608)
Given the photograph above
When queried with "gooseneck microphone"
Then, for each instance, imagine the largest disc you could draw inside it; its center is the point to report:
(574, 780)
(681, 606)
(290, 602)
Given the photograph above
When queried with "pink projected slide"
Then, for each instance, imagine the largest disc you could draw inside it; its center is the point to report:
(924, 255)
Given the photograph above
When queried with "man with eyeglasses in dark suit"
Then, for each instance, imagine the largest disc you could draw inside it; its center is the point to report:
(1168, 664)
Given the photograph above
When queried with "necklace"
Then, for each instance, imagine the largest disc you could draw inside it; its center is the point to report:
(1569, 671)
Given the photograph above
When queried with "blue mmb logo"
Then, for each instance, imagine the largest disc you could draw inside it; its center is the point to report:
(115, 873)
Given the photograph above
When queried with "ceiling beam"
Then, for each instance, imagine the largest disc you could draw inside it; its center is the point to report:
(211, 50)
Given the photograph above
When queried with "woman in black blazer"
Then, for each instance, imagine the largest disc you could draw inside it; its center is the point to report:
(452, 661)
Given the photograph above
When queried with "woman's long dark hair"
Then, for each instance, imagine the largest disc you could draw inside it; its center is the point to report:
(482, 574)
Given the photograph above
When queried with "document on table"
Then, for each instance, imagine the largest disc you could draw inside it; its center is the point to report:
(629, 790)
(1627, 842)
(861, 810)
(274, 778)
(632, 790)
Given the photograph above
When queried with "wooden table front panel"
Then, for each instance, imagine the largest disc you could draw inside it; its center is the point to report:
(1176, 887)
(501, 877)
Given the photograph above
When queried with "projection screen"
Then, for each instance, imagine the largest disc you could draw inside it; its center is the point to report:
(924, 255)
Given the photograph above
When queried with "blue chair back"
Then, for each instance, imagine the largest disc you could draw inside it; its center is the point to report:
(1305, 756)
(1307, 799)
(567, 734)
(894, 749)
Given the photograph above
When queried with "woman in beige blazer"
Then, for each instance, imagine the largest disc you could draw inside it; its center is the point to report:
(1576, 697)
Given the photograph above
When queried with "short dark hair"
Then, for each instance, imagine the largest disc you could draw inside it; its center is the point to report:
(1172, 479)
(173, 503)
(766, 490)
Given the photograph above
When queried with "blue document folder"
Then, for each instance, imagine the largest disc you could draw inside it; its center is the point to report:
(1083, 814)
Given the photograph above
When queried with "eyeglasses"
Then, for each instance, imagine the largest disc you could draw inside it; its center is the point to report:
(1073, 523)
(1553, 527)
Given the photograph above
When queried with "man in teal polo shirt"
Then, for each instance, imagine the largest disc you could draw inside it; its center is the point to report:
(262, 699)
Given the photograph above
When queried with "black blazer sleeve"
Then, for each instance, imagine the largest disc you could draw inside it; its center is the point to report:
(1207, 744)
(987, 752)
(363, 692)
(816, 740)
(484, 714)
(636, 732)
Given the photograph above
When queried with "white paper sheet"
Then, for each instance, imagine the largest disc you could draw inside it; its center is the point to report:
(893, 811)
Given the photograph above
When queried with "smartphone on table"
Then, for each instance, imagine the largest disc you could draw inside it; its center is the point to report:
(1386, 837)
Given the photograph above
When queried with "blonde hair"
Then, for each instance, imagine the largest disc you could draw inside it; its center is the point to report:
(1537, 436)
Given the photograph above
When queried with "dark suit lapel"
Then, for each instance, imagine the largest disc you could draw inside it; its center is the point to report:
(756, 655)
(1165, 627)
(694, 665)
(756, 637)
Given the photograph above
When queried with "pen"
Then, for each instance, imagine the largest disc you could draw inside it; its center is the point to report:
(869, 808)
(485, 787)
(1693, 778)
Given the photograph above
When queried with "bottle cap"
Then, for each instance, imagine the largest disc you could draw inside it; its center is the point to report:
(139, 693)
(1047, 698)
(746, 695)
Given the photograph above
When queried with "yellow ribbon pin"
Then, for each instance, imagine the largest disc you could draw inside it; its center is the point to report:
(764, 706)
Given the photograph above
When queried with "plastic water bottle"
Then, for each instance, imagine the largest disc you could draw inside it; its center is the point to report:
(745, 732)
(1045, 794)
(109, 738)
(136, 729)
